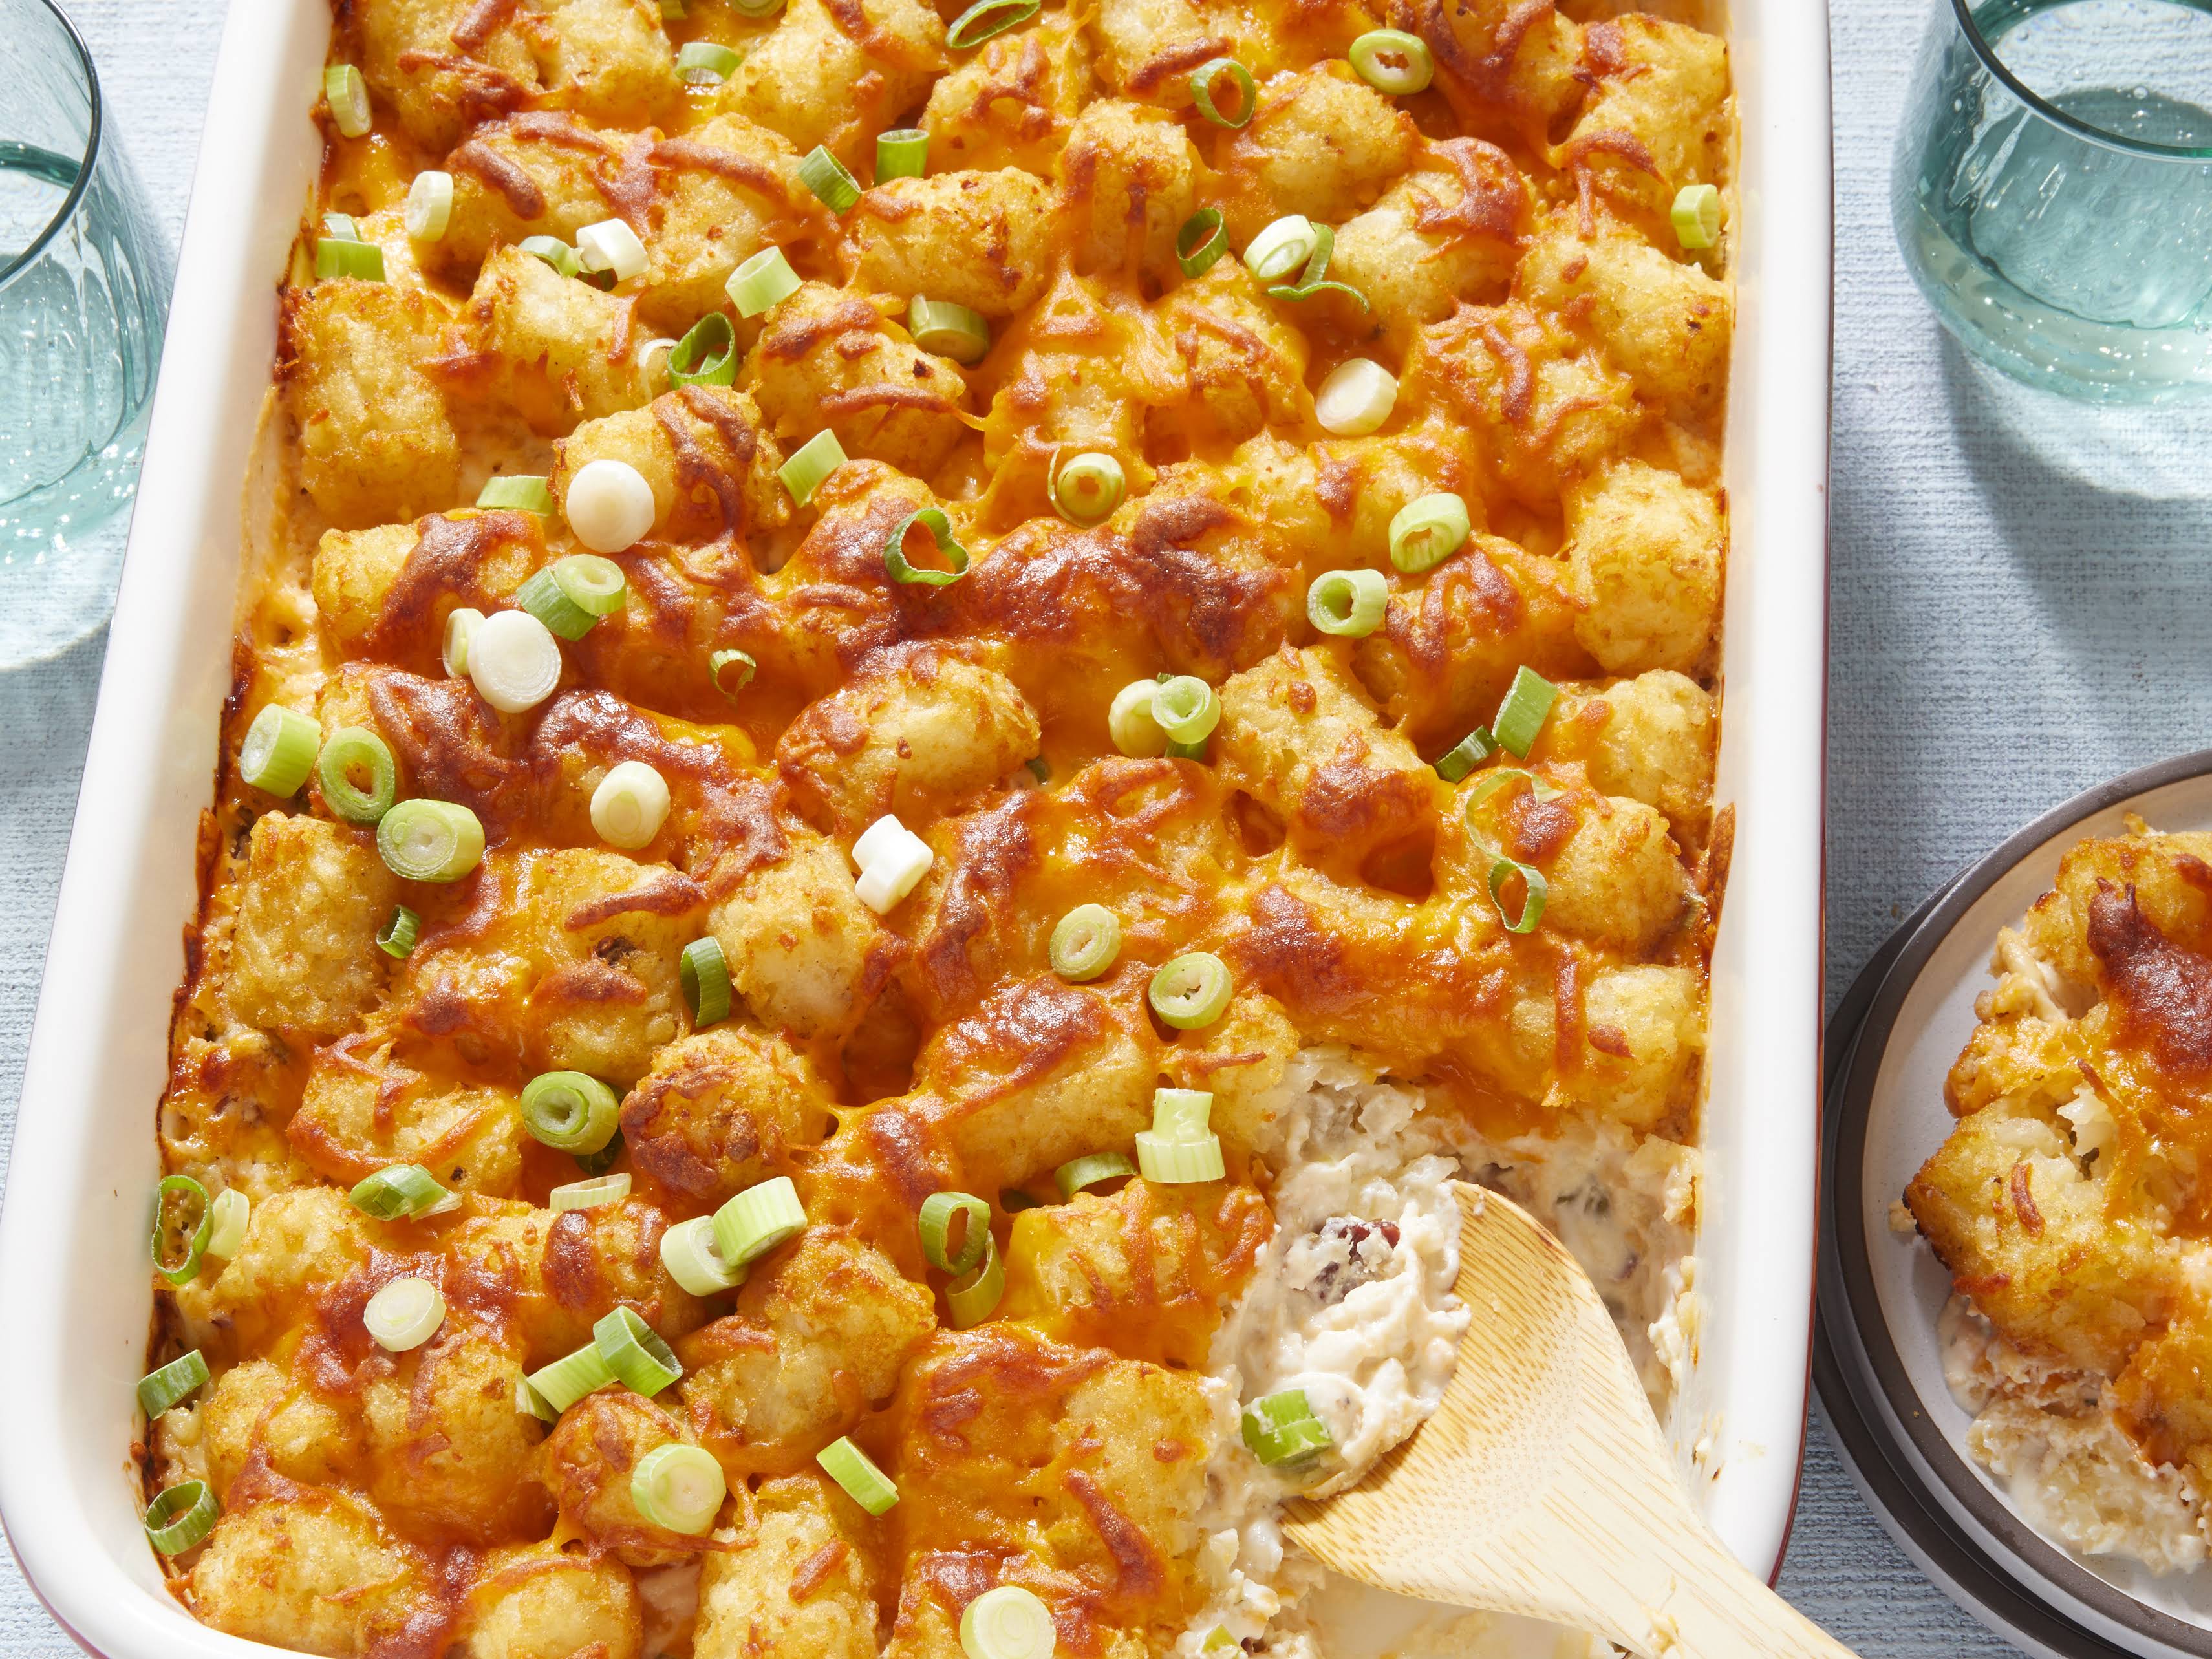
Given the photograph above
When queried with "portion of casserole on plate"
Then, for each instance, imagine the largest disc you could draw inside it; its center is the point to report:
(936, 707)
(2069, 1203)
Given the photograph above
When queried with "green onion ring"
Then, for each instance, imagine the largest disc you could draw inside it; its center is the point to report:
(1178, 1162)
(825, 175)
(1192, 991)
(707, 355)
(542, 598)
(706, 63)
(1089, 488)
(186, 1188)
(974, 1295)
(1283, 1429)
(764, 280)
(986, 18)
(181, 1516)
(634, 1353)
(935, 1225)
(397, 937)
(348, 747)
(346, 91)
(160, 1389)
(1007, 1623)
(1350, 604)
(679, 1488)
(758, 1219)
(1502, 870)
(731, 672)
(1080, 1174)
(688, 1253)
(1370, 54)
(430, 840)
(1521, 717)
(1201, 88)
(1200, 242)
(595, 1194)
(568, 1379)
(1084, 942)
(279, 750)
(857, 1475)
(402, 1192)
(809, 463)
(941, 529)
(1426, 532)
(361, 262)
(1469, 752)
(516, 492)
(704, 974)
(554, 252)
(946, 330)
(569, 1111)
(1187, 709)
(902, 153)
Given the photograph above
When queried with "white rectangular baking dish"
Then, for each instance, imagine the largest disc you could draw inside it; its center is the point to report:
(74, 1292)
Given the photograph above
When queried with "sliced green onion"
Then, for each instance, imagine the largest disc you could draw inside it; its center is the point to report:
(402, 1192)
(514, 661)
(341, 227)
(809, 463)
(705, 63)
(1355, 399)
(1089, 488)
(192, 1199)
(1393, 61)
(948, 329)
(707, 355)
(461, 625)
(515, 492)
(1039, 768)
(855, 1471)
(1183, 1114)
(1081, 1174)
(363, 262)
(1191, 991)
(552, 249)
(678, 1487)
(1084, 942)
(1189, 751)
(1697, 216)
(1347, 603)
(279, 750)
(1201, 87)
(974, 1295)
(1426, 532)
(825, 175)
(986, 18)
(758, 1219)
(761, 281)
(731, 672)
(1490, 783)
(160, 1389)
(430, 840)
(1130, 722)
(687, 1251)
(541, 596)
(347, 93)
(430, 205)
(1179, 1162)
(756, 9)
(397, 937)
(351, 747)
(1007, 1623)
(569, 1111)
(1281, 248)
(1469, 752)
(1521, 717)
(629, 805)
(1283, 1429)
(1187, 709)
(404, 1314)
(1313, 279)
(1200, 242)
(610, 246)
(902, 153)
(634, 1353)
(180, 1517)
(940, 531)
(531, 1403)
(1503, 869)
(227, 1216)
(609, 505)
(704, 974)
(595, 1194)
(935, 1224)
(567, 1379)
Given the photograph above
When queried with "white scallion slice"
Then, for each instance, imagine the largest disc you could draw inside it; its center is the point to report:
(405, 1314)
(227, 1216)
(1007, 1623)
(280, 750)
(947, 330)
(629, 805)
(1178, 1162)
(1697, 216)
(611, 245)
(431, 839)
(856, 1473)
(1187, 709)
(514, 661)
(1130, 722)
(687, 1250)
(430, 205)
(1281, 248)
(1355, 399)
(634, 1353)
(1088, 488)
(706, 63)
(461, 625)
(565, 1380)
(594, 1193)
(678, 1487)
(347, 93)
(758, 1219)
(610, 505)
(761, 282)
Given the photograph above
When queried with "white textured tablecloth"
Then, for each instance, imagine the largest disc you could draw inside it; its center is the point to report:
(2013, 619)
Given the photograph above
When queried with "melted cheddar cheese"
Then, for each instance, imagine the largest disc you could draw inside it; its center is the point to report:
(1561, 362)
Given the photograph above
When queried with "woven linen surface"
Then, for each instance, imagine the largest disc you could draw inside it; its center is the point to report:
(2021, 599)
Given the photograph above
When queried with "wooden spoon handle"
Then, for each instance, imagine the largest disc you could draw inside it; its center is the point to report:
(1723, 1611)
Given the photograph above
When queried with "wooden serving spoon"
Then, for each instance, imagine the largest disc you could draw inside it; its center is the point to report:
(1541, 1485)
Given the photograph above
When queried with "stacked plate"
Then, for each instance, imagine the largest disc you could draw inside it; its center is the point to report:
(1876, 1359)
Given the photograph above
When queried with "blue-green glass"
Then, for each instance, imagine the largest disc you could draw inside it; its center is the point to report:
(2053, 190)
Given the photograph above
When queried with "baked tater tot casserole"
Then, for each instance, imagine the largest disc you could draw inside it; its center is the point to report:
(940, 704)
(2069, 1204)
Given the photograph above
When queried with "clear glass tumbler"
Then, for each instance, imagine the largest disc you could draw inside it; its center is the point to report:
(2053, 190)
(84, 288)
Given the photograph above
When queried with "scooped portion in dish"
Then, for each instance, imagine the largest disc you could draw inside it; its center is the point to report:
(934, 710)
(2069, 1204)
